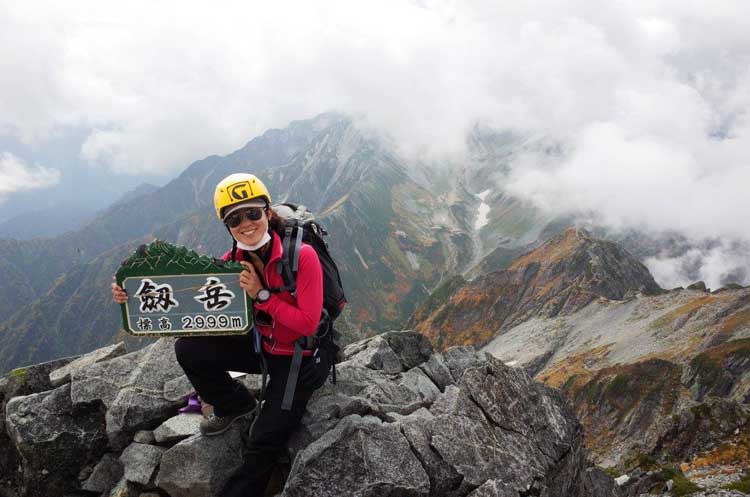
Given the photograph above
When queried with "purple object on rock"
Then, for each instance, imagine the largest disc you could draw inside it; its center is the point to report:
(193, 405)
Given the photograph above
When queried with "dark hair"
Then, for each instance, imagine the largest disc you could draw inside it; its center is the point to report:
(274, 220)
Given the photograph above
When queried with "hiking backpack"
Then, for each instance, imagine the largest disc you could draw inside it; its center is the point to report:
(297, 225)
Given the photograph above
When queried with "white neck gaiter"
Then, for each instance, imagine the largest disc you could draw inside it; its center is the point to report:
(266, 238)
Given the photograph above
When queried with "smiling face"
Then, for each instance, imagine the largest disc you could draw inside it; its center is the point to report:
(250, 232)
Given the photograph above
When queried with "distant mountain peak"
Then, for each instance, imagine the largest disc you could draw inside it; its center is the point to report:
(558, 248)
(561, 276)
(140, 190)
(593, 265)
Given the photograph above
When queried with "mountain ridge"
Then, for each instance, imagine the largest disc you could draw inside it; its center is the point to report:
(393, 238)
(561, 276)
(653, 375)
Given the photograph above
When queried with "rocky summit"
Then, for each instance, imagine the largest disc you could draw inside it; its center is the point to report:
(402, 420)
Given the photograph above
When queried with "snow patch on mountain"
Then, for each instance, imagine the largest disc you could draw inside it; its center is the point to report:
(361, 259)
(413, 260)
(482, 211)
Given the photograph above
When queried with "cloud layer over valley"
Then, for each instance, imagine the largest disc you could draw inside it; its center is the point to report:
(647, 102)
(15, 175)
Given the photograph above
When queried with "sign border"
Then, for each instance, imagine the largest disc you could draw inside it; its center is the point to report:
(169, 333)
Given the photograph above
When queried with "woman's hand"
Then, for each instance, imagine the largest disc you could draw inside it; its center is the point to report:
(118, 294)
(249, 280)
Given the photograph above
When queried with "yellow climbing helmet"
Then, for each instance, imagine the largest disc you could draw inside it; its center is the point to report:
(237, 189)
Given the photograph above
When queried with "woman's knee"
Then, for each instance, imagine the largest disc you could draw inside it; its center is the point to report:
(187, 350)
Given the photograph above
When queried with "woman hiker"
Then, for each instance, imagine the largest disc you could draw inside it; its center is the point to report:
(242, 202)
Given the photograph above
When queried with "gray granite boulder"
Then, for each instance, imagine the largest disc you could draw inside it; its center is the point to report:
(30, 379)
(141, 404)
(390, 352)
(178, 428)
(437, 369)
(140, 462)
(460, 359)
(471, 423)
(411, 347)
(404, 394)
(371, 458)
(372, 381)
(494, 488)
(62, 375)
(19, 382)
(512, 401)
(102, 381)
(144, 437)
(132, 387)
(401, 421)
(374, 353)
(178, 389)
(363, 390)
(444, 479)
(54, 440)
(105, 475)
(200, 466)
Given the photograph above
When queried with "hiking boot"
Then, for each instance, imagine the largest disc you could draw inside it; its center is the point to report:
(216, 425)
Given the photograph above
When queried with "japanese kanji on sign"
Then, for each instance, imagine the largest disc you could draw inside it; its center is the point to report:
(176, 292)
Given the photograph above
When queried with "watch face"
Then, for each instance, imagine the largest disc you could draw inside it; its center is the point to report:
(263, 295)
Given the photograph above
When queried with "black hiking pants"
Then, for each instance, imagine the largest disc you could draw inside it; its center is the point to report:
(206, 361)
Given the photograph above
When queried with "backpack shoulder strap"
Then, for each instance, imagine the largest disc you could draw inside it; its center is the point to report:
(297, 245)
(289, 264)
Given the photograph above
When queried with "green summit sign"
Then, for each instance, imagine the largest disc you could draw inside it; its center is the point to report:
(174, 291)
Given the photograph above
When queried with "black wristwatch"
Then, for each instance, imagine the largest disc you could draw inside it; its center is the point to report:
(262, 296)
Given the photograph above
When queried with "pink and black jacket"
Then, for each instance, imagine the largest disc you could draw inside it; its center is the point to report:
(294, 316)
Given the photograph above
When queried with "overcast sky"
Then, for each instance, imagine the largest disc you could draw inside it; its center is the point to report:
(650, 98)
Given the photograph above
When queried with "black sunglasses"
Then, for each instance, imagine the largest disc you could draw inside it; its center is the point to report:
(252, 213)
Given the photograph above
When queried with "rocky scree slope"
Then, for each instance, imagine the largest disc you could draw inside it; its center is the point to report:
(401, 421)
(654, 378)
(653, 375)
(560, 277)
(665, 376)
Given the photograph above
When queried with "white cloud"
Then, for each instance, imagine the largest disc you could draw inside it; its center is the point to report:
(15, 175)
(639, 181)
(649, 99)
(162, 84)
(716, 266)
